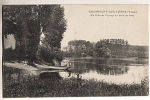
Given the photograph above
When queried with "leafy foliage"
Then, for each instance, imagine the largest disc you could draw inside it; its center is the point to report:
(80, 48)
(27, 22)
(102, 48)
(55, 26)
(48, 55)
(53, 31)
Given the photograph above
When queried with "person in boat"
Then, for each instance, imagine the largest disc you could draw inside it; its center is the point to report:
(56, 62)
(65, 63)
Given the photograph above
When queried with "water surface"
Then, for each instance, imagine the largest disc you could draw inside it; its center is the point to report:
(116, 71)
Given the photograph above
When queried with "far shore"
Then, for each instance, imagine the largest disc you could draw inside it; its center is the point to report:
(114, 58)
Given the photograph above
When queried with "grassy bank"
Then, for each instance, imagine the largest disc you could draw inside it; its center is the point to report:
(58, 87)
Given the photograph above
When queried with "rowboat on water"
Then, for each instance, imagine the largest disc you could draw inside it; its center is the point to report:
(46, 67)
(65, 64)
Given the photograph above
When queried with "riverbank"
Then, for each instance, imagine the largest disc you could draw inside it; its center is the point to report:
(32, 69)
(67, 88)
(59, 87)
(110, 58)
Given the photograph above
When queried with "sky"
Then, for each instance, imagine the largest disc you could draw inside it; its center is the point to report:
(82, 26)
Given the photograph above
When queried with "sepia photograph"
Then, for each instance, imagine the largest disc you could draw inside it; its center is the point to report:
(75, 50)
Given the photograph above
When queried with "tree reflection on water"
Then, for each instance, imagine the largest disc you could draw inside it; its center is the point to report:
(106, 69)
(50, 75)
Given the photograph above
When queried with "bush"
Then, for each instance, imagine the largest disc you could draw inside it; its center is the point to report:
(48, 55)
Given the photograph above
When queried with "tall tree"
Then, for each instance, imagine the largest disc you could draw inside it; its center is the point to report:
(30, 21)
(53, 29)
(80, 47)
(101, 49)
(55, 26)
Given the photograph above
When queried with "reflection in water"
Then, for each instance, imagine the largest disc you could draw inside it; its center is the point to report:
(21, 83)
(115, 70)
(50, 75)
(110, 71)
(69, 72)
(81, 68)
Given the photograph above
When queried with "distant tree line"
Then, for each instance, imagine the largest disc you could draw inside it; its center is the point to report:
(27, 23)
(103, 48)
(79, 48)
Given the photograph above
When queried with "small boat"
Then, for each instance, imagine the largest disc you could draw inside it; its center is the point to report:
(52, 71)
(55, 68)
(46, 67)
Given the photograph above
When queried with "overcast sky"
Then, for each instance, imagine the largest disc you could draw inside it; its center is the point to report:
(80, 25)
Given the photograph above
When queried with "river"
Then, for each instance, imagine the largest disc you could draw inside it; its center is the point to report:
(86, 77)
(112, 71)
